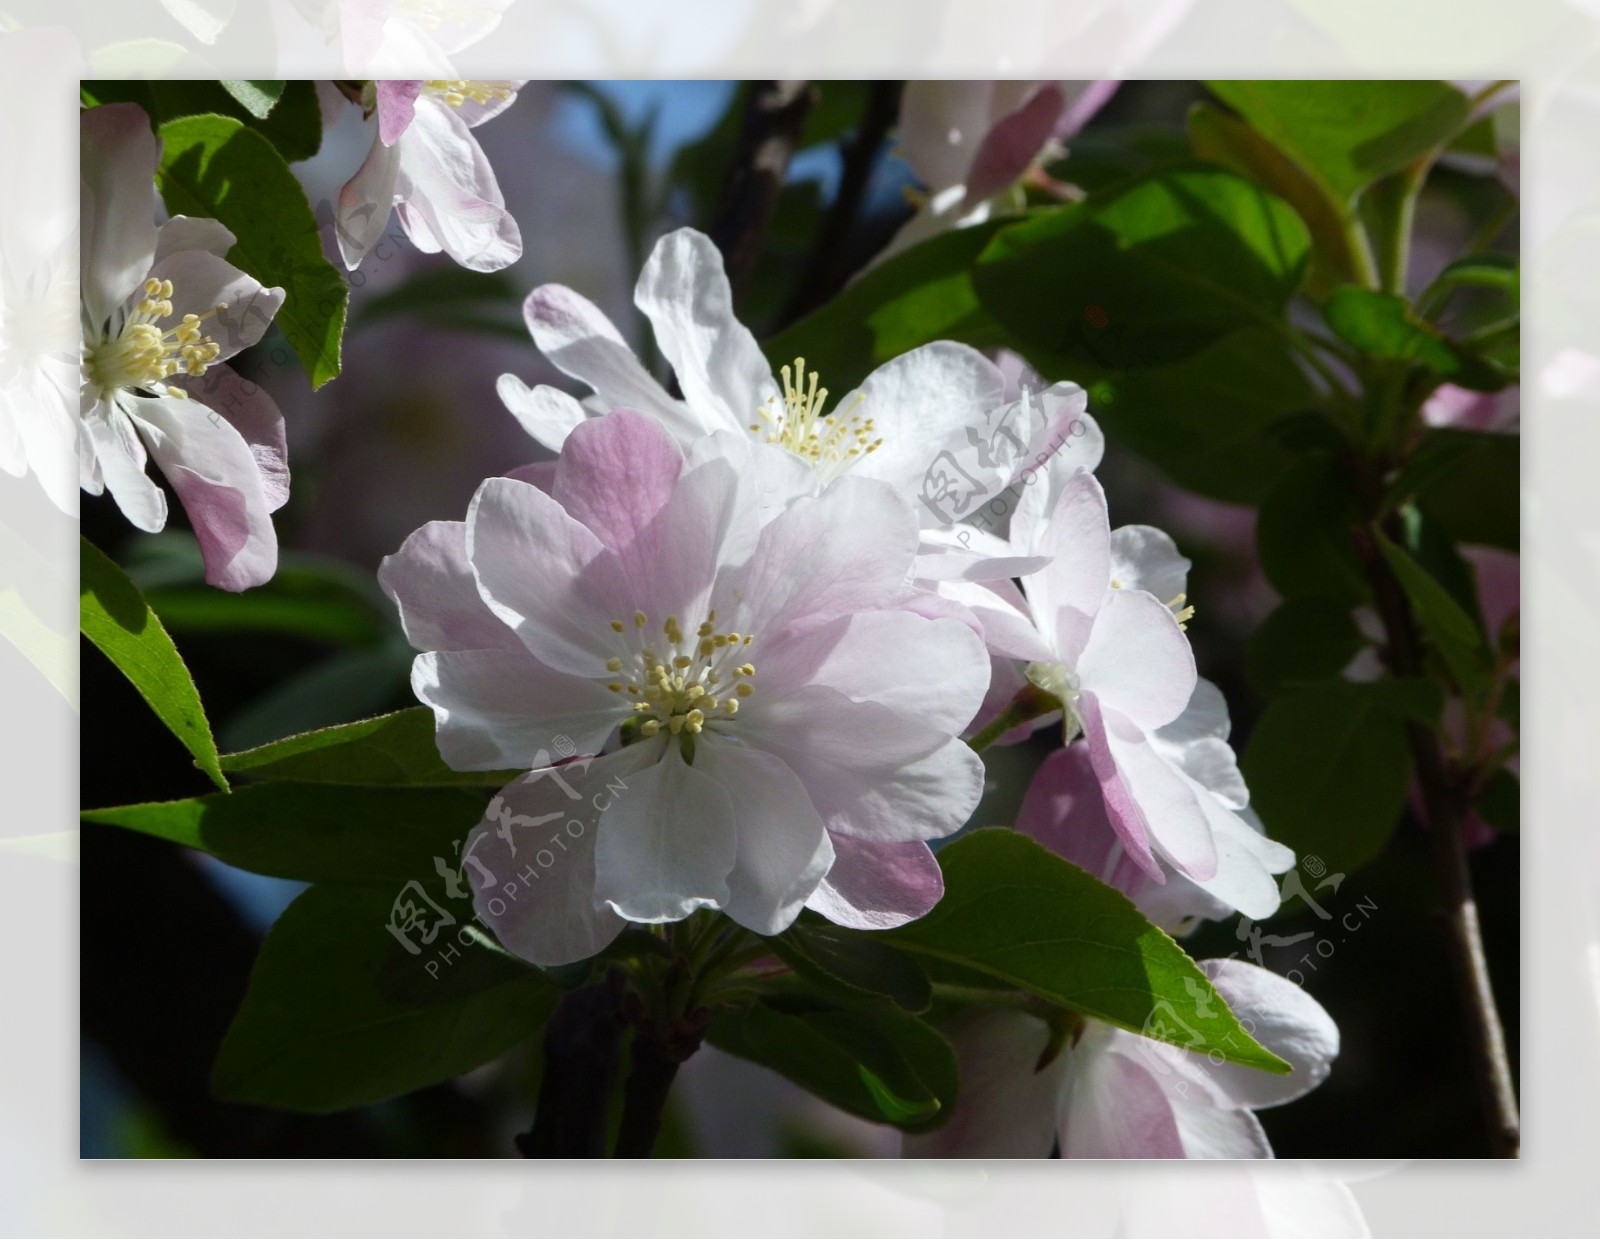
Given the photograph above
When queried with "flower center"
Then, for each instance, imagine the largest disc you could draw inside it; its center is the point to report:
(1061, 683)
(144, 355)
(683, 683)
(454, 92)
(794, 420)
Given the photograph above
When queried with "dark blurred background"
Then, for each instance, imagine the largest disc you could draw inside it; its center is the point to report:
(593, 174)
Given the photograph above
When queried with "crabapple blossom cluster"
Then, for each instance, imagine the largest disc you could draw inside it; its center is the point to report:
(737, 609)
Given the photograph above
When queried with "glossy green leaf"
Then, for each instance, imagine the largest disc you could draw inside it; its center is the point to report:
(1383, 326)
(294, 125)
(396, 749)
(855, 967)
(115, 617)
(1304, 640)
(339, 1014)
(1347, 134)
(921, 294)
(1016, 911)
(882, 1067)
(215, 166)
(1305, 534)
(316, 832)
(1328, 769)
(1148, 274)
(256, 98)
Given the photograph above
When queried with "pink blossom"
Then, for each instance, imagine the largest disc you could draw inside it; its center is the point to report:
(427, 167)
(162, 309)
(786, 746)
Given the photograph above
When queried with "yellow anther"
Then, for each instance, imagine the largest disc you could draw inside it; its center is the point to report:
(616, 626)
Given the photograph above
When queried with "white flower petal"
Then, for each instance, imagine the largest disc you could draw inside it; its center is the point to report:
(1137, 660)
(1004, 1109)
(431, 582)
(1145, 558)
(117, 240)
(120, 457)
(546, 413)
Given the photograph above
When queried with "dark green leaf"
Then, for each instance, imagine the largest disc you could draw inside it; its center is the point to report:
(1328, 769)
(1306, 533)
(1413, 697)
(116, 618)
(395, 749)
(1018, 912)
(256, 98)
(1477, 497)
(1306, 639)
(339, 1014)
(294, 126)
(347, 686)
(892, 1069)
(853, 966)
(1347, 134)
(1452, 631)
(215, 166)
(1500, 802)
(1383, 326)
(316, 832)
(1149, 274)
(838, 108)
(921, 294)
(1103, 156)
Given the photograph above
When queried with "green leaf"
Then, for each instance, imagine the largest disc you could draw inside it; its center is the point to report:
(1499, 272)
(854, 967)
(921, 294)
(1305, 534)
(1328, 769)
(215, 166)
(1383, 326)
(1152, 272)
(294, 126)
(1018, 912)
(315, 832)
(1306, 639)
(882, 1067)
(1453, 632)
(1476, 497)
(338, 1014)
(348, 685)
(256, 98)
(1500, 802)
(1226, 140)
(116, 618)
(1347, 134)
(394, 750)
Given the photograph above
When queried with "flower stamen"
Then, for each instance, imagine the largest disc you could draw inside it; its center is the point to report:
(143, 355)
(794, 420)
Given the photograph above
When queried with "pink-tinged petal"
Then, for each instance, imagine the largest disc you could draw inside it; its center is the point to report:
(1196, 743)
(1082, 100)
(684, 292)
(1008, 627)
(1175, 821)
(397, 104)
(846, 550)
(1137, 660)
(1073, 443)
(1121, 809)
(365, 201)
(255, 415)
(431, 582)
(1114, 1108)
(578, 339)
(473, 113)
(667, 843)
(1068, 595)
(501, 709)
(1246, 863)
(777, 476)
(117, 202)
(120, 458)
(783, 850)
(962, 553)
(616, 473)
(448, 187)
(361, 24)
(201, 282)
(1283, 1018)
(878, 886)
(546, 413)
(1064, 810)
(1011, 146)
(528, 556)
(1145, 558)
(1212, 1132)
(531, 860)
(931, 407)
(215, 474)
(934, 671)
(870, 771)
(942, 124)
(185, 232)
(1005, 1109)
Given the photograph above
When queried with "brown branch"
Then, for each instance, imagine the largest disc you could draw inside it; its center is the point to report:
(582, 1046)
(774, 115)
(1444, 812)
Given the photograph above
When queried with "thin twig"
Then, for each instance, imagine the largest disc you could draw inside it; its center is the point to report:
(768, 136)
(1463, 933)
